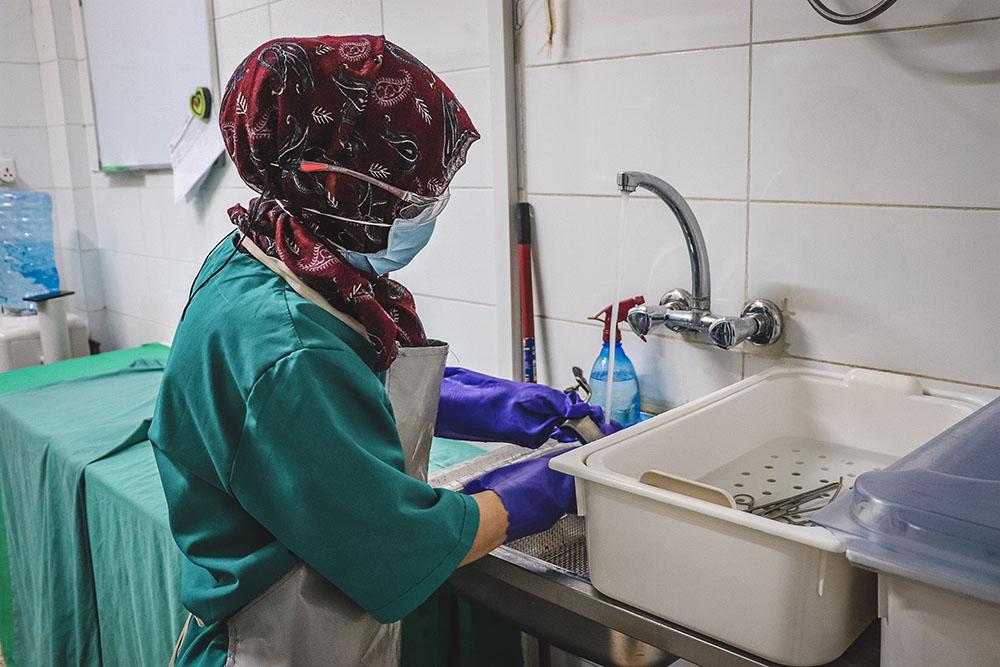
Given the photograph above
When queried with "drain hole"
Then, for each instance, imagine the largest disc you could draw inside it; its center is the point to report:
(797, 474)
(765, 493)
(824, 468)
(772, 481)
(796, 450)
(850, 463)
(769, 467)
(824, 481)
(796, 487)
(798, 463)
(822, 456)
(744, 473)
(774, 456)
(738, 485)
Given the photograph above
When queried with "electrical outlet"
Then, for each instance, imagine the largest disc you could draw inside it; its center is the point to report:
(7, 170)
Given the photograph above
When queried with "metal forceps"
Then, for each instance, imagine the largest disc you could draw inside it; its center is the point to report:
(791, 508)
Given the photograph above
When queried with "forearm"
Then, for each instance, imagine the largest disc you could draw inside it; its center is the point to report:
(492, 526)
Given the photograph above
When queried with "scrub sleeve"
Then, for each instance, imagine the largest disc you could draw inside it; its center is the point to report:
(320, 466)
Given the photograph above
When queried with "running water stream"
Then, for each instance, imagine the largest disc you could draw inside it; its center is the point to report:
(615, 299)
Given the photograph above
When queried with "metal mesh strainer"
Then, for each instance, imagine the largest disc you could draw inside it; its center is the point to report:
(564, 545)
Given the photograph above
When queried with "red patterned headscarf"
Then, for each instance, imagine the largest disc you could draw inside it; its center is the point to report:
(359, 102)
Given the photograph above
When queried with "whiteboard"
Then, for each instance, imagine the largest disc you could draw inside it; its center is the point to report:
(146, 57)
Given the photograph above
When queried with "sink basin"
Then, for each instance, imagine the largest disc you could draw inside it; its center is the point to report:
(784, 592)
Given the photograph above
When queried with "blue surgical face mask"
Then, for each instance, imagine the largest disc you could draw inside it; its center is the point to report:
(407, 237)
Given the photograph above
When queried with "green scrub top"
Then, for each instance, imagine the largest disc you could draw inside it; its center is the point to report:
(276, 442)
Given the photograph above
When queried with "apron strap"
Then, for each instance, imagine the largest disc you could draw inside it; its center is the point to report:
(180, 639)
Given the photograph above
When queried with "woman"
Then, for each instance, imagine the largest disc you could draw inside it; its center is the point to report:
(277, 439)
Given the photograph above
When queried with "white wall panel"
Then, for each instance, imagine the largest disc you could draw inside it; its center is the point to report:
(469, 328)
(460, 260)
(681, 116)
(21, 100)
(308, 18)
(910, 290)
(17, 37)
(590, 30)
(899, 118)
(444, 34)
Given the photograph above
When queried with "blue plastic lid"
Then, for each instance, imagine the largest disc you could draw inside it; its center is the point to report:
(933, 515)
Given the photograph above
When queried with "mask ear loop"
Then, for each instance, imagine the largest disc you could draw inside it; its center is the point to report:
(333, 243)
(281, 205)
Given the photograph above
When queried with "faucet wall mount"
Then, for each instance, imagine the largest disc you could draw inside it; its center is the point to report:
(684, 311)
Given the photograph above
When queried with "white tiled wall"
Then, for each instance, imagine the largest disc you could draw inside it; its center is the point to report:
(852, 174)
(36, 127)
(146, 249)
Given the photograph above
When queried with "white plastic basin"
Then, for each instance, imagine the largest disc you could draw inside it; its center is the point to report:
(781, 591)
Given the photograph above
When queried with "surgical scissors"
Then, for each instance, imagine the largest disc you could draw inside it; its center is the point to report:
(791, 509)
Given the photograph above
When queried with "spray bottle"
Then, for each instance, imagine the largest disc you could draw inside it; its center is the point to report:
(625, 389)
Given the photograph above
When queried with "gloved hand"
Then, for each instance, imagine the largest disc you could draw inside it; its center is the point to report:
(482, 408)
(566, 434)
(534, 495)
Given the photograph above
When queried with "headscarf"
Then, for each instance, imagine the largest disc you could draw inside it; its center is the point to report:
(359, 102)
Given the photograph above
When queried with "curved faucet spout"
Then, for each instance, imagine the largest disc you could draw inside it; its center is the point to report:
(701, 287)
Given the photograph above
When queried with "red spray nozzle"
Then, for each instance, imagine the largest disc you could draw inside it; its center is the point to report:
(623, 307)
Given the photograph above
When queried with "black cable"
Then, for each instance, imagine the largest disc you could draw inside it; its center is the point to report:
(850, 19)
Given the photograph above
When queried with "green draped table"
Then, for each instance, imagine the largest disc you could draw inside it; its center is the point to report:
(79, 476)
(39, 376)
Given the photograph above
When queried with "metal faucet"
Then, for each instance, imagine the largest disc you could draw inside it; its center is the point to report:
(681, 310)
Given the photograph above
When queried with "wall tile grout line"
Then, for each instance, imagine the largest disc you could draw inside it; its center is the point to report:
(141, 255)
(216, 16)
(912, 28)
(633, 56)
(720, 47)
(462, 70)
(933, 207)
(50, 60)
(889, 370)
(636, 195)
(468, 302)
(131, 316)
(789, 202)
(746, 236)
(41, 127)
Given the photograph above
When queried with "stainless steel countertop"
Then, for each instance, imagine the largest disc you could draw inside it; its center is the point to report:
(561, 607)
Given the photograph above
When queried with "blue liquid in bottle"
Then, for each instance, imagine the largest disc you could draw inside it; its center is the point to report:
(624, 393)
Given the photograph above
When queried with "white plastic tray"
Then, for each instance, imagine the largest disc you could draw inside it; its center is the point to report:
(781, 591)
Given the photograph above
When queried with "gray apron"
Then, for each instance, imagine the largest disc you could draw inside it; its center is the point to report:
(305, 620)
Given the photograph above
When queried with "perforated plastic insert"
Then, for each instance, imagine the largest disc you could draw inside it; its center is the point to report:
(784, 467)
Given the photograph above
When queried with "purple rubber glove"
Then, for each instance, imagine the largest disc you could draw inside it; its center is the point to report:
(482, 408)
(566, 434)
(534, 495)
